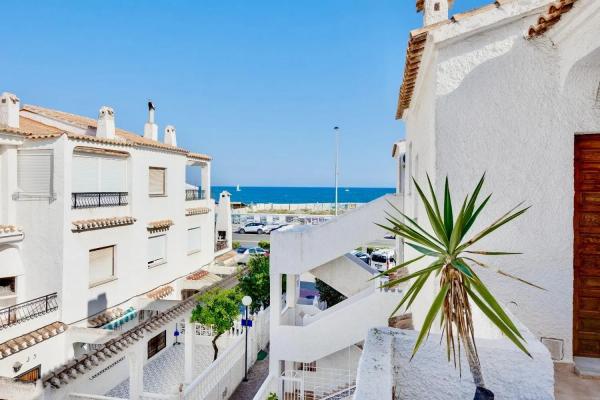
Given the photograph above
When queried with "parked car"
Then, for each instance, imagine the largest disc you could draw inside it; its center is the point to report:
(271, 227)
(363, 256)
(383, 259)
(243, 254)
(253, 227)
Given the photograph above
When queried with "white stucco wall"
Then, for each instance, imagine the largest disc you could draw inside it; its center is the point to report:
(385, 368)
(505, 105)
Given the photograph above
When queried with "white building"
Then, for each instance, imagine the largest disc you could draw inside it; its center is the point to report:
(511, 89)
(95, 223)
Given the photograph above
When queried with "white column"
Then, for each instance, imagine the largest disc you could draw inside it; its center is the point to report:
(135, 360)
(275, 321)
(189, 352)
(290, 290)
(8, 175)
(205, 173)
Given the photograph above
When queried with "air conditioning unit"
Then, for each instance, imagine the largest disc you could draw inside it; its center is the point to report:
(555, 346)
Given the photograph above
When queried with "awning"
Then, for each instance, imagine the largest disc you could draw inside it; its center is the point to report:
(10, 262)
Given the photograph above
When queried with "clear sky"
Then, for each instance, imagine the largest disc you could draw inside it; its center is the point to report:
(259, 85)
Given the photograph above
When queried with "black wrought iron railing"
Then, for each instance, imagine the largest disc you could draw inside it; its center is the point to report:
(99, 199)
(220, 245)
(195, 194)
(27, 310)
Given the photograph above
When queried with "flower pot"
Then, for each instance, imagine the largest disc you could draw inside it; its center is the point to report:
(483, 394)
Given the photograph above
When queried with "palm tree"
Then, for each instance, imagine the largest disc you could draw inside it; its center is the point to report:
(454, 264)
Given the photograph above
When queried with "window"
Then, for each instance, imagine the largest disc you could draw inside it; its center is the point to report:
(35, 172)
(157, 343)
(194, 240)
(157, 182)
(95, 173)
(157, 250)
(310, 367)
(102, 265)
(31, 375)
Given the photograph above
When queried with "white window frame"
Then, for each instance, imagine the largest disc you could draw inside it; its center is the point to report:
(164, 184)
(32, 193)
(113, 275)
(194, 249)
(101, 171)
(158, 261)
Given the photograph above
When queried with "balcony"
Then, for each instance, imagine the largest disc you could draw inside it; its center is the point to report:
(27, 310)
(195, 194)
(98, 199)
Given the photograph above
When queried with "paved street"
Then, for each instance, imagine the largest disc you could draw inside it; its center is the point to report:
(250, 239)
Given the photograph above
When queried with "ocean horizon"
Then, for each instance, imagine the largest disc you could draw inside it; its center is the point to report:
(295, 195)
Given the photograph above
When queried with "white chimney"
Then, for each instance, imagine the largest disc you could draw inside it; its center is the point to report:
(435, 11)
(170, 136)
(106, 123)
(150, 128)
(9, 110)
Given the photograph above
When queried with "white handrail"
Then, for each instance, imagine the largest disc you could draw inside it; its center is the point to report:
(92, 396)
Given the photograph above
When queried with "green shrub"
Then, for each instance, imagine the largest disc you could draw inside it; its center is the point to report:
(235, 245)
(264, 244)
(272, 396)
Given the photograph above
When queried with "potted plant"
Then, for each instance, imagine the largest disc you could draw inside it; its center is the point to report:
(454, 261)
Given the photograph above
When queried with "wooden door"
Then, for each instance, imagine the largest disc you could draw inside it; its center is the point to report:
(586, 262)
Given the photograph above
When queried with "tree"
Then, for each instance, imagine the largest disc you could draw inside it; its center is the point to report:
(255, 283)
(454, 264)
(328, 294)
(217, 308)
(265, 244)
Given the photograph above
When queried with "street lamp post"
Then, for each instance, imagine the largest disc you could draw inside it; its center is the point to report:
(246, 301)
(336, 130)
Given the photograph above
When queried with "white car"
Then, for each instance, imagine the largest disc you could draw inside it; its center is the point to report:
(243, 254)
(383, 259)
(253, 227)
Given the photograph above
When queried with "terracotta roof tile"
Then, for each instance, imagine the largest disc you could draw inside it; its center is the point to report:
(123, 137)
(105, 317)
(7, 229)
(196, 211)
(196, 276)
(101, 223)
(32, 338)
(160, 293)
(32, 129)
(418, 38)
(161, 225)
(551, 17)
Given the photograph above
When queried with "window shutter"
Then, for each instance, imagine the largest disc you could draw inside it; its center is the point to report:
(86, 172)
(34, 171)
(194, 239)
(113, 175)
(157, 181)
(101, 264)
(157, 246)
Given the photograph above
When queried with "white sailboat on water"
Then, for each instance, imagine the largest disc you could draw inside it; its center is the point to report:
(237, 188)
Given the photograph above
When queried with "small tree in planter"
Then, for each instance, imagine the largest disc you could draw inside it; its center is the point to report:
(217, 308)
(454, 264)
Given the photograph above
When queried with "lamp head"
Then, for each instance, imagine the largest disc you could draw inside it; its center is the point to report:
(247, 300)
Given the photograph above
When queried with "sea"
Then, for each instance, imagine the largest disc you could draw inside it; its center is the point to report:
(295, 195)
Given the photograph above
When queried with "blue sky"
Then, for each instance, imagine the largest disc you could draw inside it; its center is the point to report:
(259, 85)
